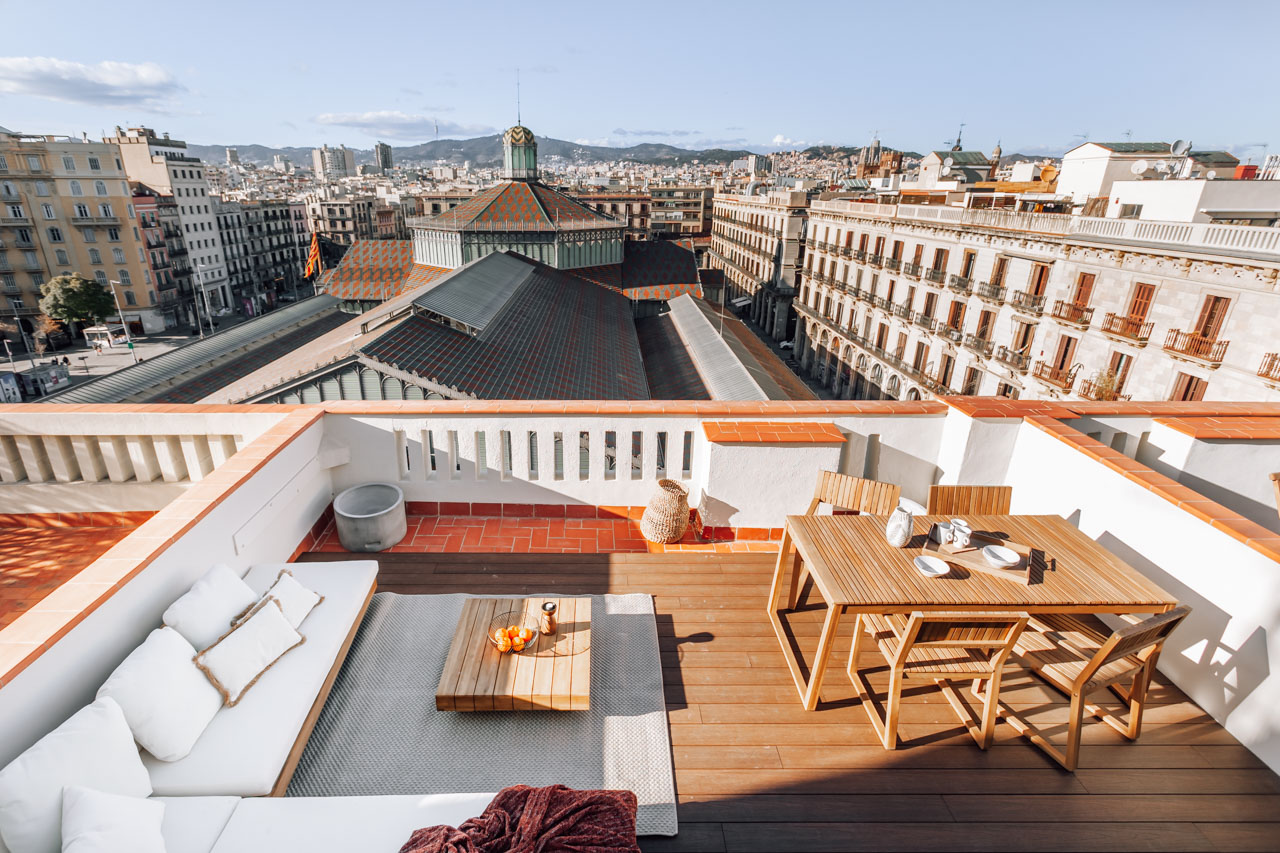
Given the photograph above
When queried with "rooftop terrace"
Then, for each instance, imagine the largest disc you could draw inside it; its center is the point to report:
(1178, 491)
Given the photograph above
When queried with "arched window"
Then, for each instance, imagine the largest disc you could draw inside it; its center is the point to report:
(129, 298)
(75, 188)
(100, 187)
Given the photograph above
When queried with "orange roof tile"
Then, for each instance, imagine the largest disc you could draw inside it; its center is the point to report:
(772, 432)
(1230, 427)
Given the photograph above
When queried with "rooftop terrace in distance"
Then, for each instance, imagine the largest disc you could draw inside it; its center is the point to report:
(1179, 491)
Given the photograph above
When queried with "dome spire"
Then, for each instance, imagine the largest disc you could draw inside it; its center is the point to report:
(519, 154)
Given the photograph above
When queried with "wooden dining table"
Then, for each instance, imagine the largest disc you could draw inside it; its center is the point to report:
(854, 569)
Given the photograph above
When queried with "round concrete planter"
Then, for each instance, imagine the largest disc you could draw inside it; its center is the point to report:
(370, 517)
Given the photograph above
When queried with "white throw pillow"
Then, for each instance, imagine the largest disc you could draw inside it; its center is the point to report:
(94, 822)
(235, 662)
(94, 748)
(206, 612)
(294, 599)
(166, 699)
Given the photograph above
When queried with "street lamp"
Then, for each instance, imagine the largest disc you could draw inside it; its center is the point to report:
(208, 314)
(123, 322)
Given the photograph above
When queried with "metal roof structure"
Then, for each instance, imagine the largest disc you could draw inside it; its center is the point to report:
(475, 294)
(151, 376)
(723, 374)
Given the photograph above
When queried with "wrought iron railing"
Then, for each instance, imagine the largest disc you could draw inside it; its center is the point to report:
(1196, 346)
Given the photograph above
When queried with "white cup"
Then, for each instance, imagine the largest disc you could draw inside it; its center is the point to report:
(942, 533)
(960, 535)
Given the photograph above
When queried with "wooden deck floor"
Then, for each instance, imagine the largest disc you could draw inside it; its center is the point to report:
(754, 772)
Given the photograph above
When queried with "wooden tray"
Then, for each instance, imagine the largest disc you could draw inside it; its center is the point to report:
(971, 558)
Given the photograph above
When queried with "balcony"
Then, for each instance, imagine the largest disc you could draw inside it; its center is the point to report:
(810, 243)
(95, 220)
(951, 333)
(1071, 313)
(1270, 367)
(875, 260)
(1104, 388)
(859, 254)
(1027, 303)
(935, 276)
(1190, 346)
(14, 221)
(893, 264)
(911, 270)
(980, 345)
(1132, 329)
(900, 310)
(924, 321)
(988, 292)
(959, 283)
(264, 498)
(846, 251)
(1062, 378)
(1014, 360)
(881, 303)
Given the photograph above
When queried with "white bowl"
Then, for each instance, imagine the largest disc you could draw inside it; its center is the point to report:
(1001, 557)
(931, 566)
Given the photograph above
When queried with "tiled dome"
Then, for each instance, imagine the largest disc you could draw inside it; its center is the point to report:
(518, 135)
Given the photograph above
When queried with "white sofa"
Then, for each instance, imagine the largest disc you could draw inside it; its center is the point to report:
(308, 824)
(243, 750)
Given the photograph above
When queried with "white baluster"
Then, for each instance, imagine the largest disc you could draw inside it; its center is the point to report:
(93, 468)
(11, 468)
(115, 455)
(143, 456)
(34, 459)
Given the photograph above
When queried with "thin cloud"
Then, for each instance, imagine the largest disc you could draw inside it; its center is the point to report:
(619, 131)
(144, 85)
(394, 124)
(411, 91)
(736, 142)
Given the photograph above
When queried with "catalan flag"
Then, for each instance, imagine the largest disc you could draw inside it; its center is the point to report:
(313, 257)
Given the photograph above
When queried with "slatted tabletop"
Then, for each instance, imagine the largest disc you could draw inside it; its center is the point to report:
(552, 674)
(855, 569)
(855, 566)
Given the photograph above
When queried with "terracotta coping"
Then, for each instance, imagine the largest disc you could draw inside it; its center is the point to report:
(1215, 514)
(998, 407)
(74, 519)
(1239, 428)
(36, 630)
(772, 432)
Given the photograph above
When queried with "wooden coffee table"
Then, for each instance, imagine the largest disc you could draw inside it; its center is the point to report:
(553, 673)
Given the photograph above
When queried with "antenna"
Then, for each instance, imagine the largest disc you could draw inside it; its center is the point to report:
(517, 96)
(1128, 136)
(1180, 148)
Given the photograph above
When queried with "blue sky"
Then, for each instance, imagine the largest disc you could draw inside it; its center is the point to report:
(761, 75)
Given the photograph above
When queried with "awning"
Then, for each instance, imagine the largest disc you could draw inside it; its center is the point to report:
(740, 301)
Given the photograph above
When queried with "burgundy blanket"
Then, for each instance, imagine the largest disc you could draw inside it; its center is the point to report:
(554, 819)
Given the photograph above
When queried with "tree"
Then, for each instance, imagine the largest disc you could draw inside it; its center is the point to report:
(76, 299)
(45, 327)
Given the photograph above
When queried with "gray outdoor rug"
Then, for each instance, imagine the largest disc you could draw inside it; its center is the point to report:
(380, 733)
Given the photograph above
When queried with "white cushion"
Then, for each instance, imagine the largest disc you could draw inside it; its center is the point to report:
(94, 822)
(166, 699)
(321, 824)
(204, 614)
(93, 748)
(295, 599)
(241, 657)
(245, 747)
(193, 824)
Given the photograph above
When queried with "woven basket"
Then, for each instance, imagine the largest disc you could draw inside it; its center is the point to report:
(666, 517)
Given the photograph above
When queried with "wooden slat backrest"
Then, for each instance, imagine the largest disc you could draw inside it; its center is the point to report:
(970, 500)
(1147, 634)
(964, 630)
(1275, 482)
(845, 492)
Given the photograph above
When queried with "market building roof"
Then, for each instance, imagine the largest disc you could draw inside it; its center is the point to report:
(520, 206)
(376, 270)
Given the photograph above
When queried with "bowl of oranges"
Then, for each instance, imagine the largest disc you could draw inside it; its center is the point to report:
(513, 631)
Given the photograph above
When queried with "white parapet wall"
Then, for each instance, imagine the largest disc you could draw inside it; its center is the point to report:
(1224, 654)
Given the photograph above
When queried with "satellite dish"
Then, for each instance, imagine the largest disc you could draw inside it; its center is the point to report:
(949, 162)
(1162, 165)
(946, 170)
(1211, 175)
(1139, 167)
(1180, 148)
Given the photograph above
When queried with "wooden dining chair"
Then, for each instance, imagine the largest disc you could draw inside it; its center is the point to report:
(1078, 659)
(841, 491)
(937, 647)
(1275, 484)
(966, 500)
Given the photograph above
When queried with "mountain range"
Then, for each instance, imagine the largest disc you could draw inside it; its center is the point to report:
(484, 151)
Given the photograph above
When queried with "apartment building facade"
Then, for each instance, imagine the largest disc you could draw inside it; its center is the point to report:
(757, 240)
(330, 164)
(66, 207)
(166, 255)
(630, 207)
(164, 165)
(264, 257)
(682, 209)
(905, 301)
(343, 219)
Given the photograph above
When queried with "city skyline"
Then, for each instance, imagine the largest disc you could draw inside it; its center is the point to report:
(791, 91)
